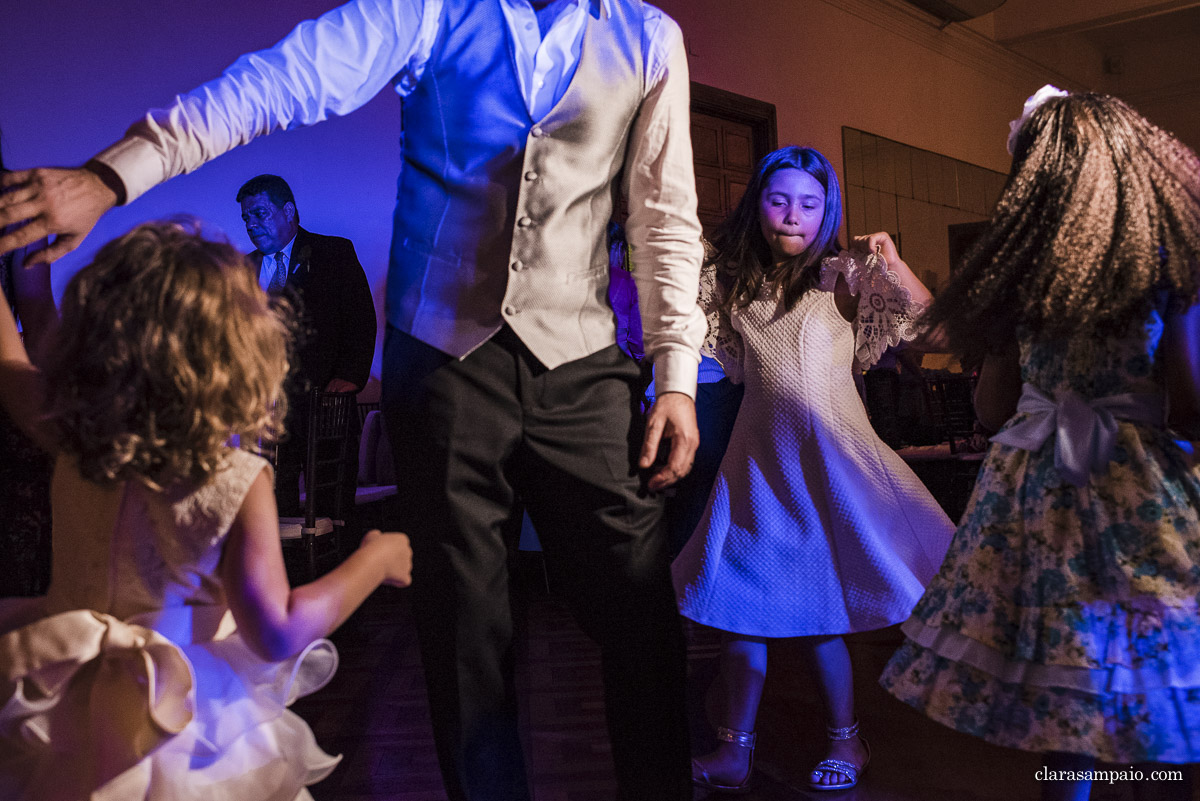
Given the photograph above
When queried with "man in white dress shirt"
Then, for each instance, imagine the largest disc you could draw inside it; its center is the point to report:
(503, 384)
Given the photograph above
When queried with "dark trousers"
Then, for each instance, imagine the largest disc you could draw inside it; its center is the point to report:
(469, 438)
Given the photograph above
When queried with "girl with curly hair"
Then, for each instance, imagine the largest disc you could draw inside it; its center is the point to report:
(814, 527)
(1064, 618)
(161, 661)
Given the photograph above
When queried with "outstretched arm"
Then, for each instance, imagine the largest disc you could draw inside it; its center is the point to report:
(277, 621)
(325, 67)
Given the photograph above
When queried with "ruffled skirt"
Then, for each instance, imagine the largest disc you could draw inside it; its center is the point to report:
(1065, 618)
(91, 707)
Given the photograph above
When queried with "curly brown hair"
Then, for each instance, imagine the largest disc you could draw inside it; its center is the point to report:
(1099, 219)
(167, 349)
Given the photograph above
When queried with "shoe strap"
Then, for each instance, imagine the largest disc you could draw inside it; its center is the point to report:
(844, 733)
(837, 766)
(745, 739)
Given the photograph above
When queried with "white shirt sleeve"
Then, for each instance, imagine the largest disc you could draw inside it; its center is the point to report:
(663, 229)
(325, 67)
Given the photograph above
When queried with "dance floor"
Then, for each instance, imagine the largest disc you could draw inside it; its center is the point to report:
(374, 713)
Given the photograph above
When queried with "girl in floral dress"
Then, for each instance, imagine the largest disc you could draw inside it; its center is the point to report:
(814, 527)
(1064, 619)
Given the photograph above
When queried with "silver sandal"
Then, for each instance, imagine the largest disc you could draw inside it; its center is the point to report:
(745, 739)
(840, 765)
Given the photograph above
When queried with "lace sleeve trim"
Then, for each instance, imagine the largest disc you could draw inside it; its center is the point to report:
(721, 342)
(887, 314)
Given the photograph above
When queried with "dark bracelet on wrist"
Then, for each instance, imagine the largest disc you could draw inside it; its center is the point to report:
(109, 177)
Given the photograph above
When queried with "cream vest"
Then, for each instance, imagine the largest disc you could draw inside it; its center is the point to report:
(501, 218)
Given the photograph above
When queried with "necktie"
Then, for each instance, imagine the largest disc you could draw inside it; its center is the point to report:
(280, 276)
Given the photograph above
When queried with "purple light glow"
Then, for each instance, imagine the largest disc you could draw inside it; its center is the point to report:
(78, 73)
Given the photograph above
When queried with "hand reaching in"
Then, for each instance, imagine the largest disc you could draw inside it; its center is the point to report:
(63, 203)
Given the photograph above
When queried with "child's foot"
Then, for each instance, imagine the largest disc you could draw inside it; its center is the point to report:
(842, 766)
(726, 770)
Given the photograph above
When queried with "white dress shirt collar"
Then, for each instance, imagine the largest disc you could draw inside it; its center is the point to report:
(546, 65)
(267, 269)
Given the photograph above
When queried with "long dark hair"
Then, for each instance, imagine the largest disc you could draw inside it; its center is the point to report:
(1099, 218)
(744, 259)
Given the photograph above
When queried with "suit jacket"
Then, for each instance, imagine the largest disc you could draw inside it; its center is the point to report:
(336, 315)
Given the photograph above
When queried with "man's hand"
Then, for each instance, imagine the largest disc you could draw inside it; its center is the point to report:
(62, 203)
(673, 416)
(340, 385)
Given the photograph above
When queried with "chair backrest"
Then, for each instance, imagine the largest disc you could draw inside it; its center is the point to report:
(951, 397)
(329, 426)
(375, 464)
(364, 409)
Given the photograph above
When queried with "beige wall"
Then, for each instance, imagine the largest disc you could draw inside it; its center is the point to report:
(866, 64)
(824, 67)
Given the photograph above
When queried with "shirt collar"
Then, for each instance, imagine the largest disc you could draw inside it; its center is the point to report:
(604, 6)
(286, 250)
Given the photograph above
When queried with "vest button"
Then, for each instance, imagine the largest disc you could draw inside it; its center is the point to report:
(531, 176)
(525, 222)
(536, 131)
(518, 265)
(510, 311)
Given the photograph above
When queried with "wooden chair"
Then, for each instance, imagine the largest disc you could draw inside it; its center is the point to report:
(376, 469)
(951, 398)
(330, 415)
(364, 409)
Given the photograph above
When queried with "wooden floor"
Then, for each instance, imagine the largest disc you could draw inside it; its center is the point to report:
(374, 714)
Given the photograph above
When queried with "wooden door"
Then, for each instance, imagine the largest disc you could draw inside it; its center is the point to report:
(730, 133)
(724, 156)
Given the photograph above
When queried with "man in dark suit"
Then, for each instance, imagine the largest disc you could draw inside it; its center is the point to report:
(322, 276)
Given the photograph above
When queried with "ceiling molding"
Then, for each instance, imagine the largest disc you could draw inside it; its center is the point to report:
(954, 41)
(1031, 29)
(1184, 90)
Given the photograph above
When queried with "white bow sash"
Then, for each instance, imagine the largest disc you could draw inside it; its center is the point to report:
(1085, 431)
(86, 679)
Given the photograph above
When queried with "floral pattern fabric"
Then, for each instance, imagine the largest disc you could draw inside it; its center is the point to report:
(1065, 618)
